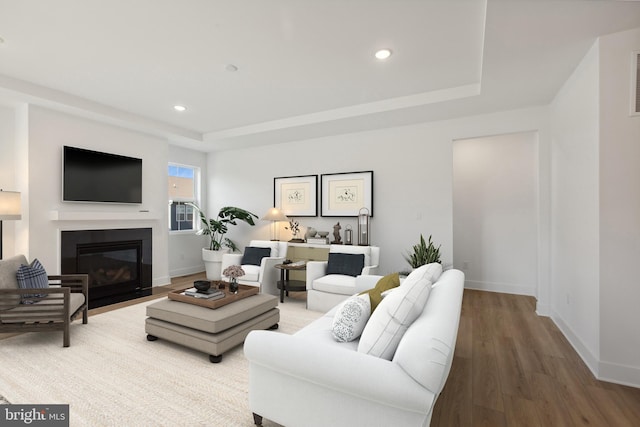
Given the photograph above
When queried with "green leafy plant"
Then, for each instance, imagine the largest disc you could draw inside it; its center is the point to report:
(423, 253)
(218, 227)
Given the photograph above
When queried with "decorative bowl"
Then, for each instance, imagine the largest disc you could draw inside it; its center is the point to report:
(323, 233)
(202, 285)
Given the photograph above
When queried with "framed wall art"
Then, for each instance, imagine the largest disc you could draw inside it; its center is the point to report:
(296, 195)
(344, 194)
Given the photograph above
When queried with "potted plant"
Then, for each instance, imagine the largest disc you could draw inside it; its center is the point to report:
(216, 228)
(423, 253)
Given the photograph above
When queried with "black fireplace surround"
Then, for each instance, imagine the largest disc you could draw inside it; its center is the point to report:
(118, 262)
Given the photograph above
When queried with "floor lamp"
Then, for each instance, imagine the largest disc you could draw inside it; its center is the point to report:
(9, 209)
(274, 215)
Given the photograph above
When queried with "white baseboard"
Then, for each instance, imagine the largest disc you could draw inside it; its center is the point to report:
(506, 288)
(185, 271)
(161, 281)
(585, 354)
(620, 374)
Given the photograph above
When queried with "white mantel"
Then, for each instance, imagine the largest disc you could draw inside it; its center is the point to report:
(63, 215)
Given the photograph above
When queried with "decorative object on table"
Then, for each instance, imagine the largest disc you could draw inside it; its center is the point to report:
(364, 228)
(311, 232)
(216, 229)
(423, 253)
(296, 195)
(343, 194)
(202, 285)
(274, 215)
(209, 294)
(233, 271)
(337, 240)
(348, 235)
(9, 209)
(294, 226)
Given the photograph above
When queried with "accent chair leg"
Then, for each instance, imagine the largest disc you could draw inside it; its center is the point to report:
(257, 419)
(85, 315)
(65, 334)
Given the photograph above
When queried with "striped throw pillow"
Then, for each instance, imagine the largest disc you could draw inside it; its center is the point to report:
(32, 276)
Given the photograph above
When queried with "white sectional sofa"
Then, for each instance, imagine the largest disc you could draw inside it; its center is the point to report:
(310, 379)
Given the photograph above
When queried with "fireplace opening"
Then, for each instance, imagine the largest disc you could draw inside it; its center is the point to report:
(118, 262)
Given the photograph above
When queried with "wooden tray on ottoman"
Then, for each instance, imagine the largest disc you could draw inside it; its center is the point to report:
(243, 292)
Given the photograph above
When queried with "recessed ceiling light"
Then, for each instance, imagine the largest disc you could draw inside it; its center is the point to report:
(383, 53)
(179, 107)
(231, 68)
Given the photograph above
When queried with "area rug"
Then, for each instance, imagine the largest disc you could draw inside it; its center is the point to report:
(112, 376)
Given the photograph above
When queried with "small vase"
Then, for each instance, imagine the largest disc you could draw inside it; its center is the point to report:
(233, 286)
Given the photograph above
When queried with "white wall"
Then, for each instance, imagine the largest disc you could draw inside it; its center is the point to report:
(7, 176)
(412, 178)
(575, 203)
(185, 247)
(48, 131)
(619, 213)
(495, 212)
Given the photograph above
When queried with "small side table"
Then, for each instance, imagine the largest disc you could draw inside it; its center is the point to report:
(286, 285)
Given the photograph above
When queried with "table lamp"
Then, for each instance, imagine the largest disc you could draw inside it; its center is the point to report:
(274, 215)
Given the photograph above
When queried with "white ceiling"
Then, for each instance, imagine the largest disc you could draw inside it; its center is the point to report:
(305, 68)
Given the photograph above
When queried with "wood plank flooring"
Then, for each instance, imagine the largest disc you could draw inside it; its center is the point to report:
(511, 368)
(514, 368)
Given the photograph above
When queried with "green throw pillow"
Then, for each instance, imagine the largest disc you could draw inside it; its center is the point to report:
(389, 281)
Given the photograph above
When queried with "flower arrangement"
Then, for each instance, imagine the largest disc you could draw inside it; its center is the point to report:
(294, 226)
(233, 271)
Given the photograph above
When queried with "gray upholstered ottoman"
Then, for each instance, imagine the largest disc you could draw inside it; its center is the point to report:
(212, 331)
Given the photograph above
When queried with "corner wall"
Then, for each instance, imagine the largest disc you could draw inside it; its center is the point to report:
(575, 305)
(619, 213)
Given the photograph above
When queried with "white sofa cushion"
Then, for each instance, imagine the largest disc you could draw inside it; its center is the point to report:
(336, 284)
(431, 272)
(351, 318)
(394, 315)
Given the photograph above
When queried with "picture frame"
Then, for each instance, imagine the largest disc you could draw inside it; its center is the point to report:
(344, 194)
(296, 195)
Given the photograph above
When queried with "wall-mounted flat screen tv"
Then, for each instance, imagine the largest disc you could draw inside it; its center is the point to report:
(92, 176)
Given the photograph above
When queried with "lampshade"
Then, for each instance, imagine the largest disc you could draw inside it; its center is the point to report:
(10, 205)
(275, 214)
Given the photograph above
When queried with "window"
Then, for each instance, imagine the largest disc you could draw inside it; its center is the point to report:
(183, 188)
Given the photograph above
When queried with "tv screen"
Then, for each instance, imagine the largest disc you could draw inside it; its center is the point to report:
(92, 176)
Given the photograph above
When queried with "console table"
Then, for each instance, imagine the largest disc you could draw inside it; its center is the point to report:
(306, 252)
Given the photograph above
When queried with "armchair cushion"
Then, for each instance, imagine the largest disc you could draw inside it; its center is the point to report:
(253, 255)
(8, 279)
(394, 315)
(347, 264)
(32, 276)
(336, 284)
(251, 272)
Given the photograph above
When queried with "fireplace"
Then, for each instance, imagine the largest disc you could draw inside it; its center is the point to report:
(117, 261)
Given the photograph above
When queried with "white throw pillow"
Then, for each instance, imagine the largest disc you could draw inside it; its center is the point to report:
(351, 318)
(431, 272)
(392, 318)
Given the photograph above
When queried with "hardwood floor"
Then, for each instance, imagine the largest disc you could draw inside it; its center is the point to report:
(511, 368)
(514, 368)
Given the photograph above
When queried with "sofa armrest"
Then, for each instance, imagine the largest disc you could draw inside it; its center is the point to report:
(269, 275)
(371, 269)
(315, 270)
(336, 369)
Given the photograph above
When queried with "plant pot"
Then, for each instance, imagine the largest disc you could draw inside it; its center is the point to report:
(213, 262)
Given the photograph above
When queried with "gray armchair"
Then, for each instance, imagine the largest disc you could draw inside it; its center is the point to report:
(58, 305)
